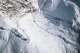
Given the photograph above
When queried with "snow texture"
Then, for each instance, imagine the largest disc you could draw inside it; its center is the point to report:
(53, 28)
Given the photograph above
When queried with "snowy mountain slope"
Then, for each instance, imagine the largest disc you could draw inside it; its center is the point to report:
(51, 29)
(10, 39)
(57, 22)
(39, 38)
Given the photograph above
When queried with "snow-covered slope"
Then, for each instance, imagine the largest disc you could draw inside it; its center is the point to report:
(53, 28)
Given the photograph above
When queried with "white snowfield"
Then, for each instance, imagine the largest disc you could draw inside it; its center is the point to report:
(53, 28)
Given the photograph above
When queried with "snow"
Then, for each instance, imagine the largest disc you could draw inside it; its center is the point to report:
(51, 29)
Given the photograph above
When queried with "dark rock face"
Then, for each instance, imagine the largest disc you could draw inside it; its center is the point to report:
(15, 8)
